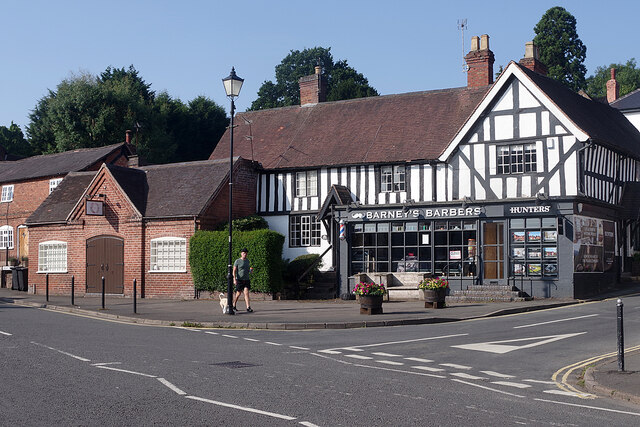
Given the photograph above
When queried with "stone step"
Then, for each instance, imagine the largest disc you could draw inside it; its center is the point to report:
(492, 287)
(458, 299)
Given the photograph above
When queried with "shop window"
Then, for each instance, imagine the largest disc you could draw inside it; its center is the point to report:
(304, 230)
(52, 257)
(392, 178)
(6, 237)
(7, 193)
(534, 247)
(307, 183)
(515, 159)
(169, 254)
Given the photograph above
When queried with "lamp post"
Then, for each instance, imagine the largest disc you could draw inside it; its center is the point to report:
(232, 86)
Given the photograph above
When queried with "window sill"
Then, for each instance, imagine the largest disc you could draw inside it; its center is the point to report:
(167, 271)
(57, 272)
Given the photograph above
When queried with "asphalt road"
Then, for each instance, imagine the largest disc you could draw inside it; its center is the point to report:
(58, 368)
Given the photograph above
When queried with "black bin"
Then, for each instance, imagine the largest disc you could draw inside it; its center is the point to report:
(19, 277)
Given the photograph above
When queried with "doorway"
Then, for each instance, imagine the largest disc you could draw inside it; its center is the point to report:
(493, 251)
(105, 258)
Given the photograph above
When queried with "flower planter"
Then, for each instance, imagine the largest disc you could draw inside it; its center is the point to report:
(434, 298)
(370, 304)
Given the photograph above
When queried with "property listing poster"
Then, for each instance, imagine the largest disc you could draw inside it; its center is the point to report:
(593, 244)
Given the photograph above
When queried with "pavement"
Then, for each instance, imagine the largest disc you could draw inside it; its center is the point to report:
(601, 378)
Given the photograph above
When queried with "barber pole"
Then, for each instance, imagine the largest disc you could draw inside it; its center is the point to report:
(343, 230)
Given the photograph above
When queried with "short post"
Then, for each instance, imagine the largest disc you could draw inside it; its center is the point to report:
(135, 291)
(103, 292)
(73, 290)
(620, 336)
(46, 281)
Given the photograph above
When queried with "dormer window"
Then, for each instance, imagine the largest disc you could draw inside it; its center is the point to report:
(514, 159)
(392, 178)
(307, 184)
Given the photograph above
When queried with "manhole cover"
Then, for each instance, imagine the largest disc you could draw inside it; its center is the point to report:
(235, 365)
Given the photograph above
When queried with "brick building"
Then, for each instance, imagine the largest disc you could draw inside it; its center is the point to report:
(132, 223)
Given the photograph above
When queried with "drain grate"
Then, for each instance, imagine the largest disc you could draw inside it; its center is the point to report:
(235, 364)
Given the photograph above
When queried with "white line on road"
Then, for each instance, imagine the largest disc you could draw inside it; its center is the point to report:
(540, 382)
(497, 374)
(62, 352)
(358, 356)
(127, 371)
(377, 367)
(189, 329)
(454, 366)
(428, 368)
(589, 407)
(360, 347)
(308, 424)
(211, 333)
(5, 333)
(229, 336)
(242, 408)
(511, 384)
(386, 354)
(466, 376)
(554, 321)
(106, 363)
(329, 351)
(271, 343)
(486, 388)
(569, 393)
(299, 348)
(251, 339)
(171, 386)
(390, 362)
(417, 359)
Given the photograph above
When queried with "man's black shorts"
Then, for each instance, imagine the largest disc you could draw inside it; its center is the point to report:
(241, 284)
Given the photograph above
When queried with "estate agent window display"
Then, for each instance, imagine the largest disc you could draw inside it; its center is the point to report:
(534, 247)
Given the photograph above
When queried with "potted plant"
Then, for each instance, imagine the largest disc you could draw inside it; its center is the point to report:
(25, 260)
(434, 291)
(370, 297)
(13, 261)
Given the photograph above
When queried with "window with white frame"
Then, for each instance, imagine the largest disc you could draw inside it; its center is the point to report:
(6, 237)
(52, 257)
(514, 159)
(304, 230)
(53, 183)
(7, 193)
(392, 178)
(307, 183)
(169, 254)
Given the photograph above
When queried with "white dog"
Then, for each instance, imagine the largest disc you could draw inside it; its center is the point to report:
(223, 304)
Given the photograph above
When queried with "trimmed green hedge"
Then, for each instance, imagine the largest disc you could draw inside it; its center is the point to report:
(299, 265)
(209, 253)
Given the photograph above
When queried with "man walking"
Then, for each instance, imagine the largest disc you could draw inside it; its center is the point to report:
(241, 270)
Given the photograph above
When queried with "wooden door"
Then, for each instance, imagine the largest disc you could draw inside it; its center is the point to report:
(105, 258)
(493, 250)
(23, 236)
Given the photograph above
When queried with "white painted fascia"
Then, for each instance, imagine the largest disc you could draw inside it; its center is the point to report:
(513, 70)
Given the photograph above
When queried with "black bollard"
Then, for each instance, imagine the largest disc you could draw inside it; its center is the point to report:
(620, 336)
(103, 292)
(46, 281)
(73, 290)
(135, 308)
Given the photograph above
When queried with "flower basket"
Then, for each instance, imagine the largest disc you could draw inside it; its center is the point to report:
(434, 292)
(370, 296)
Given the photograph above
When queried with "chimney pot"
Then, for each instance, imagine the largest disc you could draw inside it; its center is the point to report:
(475, 43)
(484, 42)
(127, 136)
(613, 88)
(531, 59)
(318, 69)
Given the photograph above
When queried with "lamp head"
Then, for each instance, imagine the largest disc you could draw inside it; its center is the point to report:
(232, 84)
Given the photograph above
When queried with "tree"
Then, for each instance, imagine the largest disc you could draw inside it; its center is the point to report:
(627, 75)
(13, 141)
(561, 50)
(343, 82)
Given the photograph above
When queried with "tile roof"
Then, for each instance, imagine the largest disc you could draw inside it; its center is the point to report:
(390, 128)
(58, 206)
(54, 164)
(630, 101)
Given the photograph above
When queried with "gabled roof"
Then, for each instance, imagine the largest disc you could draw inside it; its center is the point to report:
(391, 128)
(338, 195)
(57, 163)
(630, 101)
(162, 191)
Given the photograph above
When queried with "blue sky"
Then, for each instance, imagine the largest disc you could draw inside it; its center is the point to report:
(187, 47)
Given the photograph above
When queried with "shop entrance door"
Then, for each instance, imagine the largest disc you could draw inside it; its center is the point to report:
(493, 251)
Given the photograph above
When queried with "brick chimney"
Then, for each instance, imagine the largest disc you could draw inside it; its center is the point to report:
(127, 136)
(531, 59)
(479, 62)
(313, 88)
(613, 88)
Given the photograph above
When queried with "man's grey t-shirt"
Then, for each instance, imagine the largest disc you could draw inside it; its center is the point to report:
(242, 268)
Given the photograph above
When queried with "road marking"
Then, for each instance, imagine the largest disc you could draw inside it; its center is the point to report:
(308, 424)
(242, 408)
(486, 388)
(358, 356)
(127, 371)
(387, 354)
(589, 407)
(417, 359)
(511, 384)
(189, 329)
(568, 393)
(251, 339)
(271, 343)
(5, 333)
(467, 376)
(62, 352)
(497, 374)
(171, 386)
(428, 368)
(299, 348)
(106, 363)
(555, 321)
(390, 362)
(360, 347)
(229, 336)
(540, 382)
(344, 362)
(499, 347)
(211, 333)
(454, 366)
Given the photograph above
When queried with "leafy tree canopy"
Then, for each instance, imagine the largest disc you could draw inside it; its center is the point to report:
(561, 50)
(93, 111)
(13, 141)
(627, 75)
(343, 82)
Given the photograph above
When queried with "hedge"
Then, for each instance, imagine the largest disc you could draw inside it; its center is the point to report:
(209, 254)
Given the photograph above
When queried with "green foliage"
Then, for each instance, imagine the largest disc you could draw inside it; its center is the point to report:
(295, 268)
(343, 82)
(627, 75)
(208, 258)
(13, 141)
(561, 50)
(248, 223)
(89, 111)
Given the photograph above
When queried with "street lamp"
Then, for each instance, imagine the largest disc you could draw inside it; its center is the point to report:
(232, 86)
